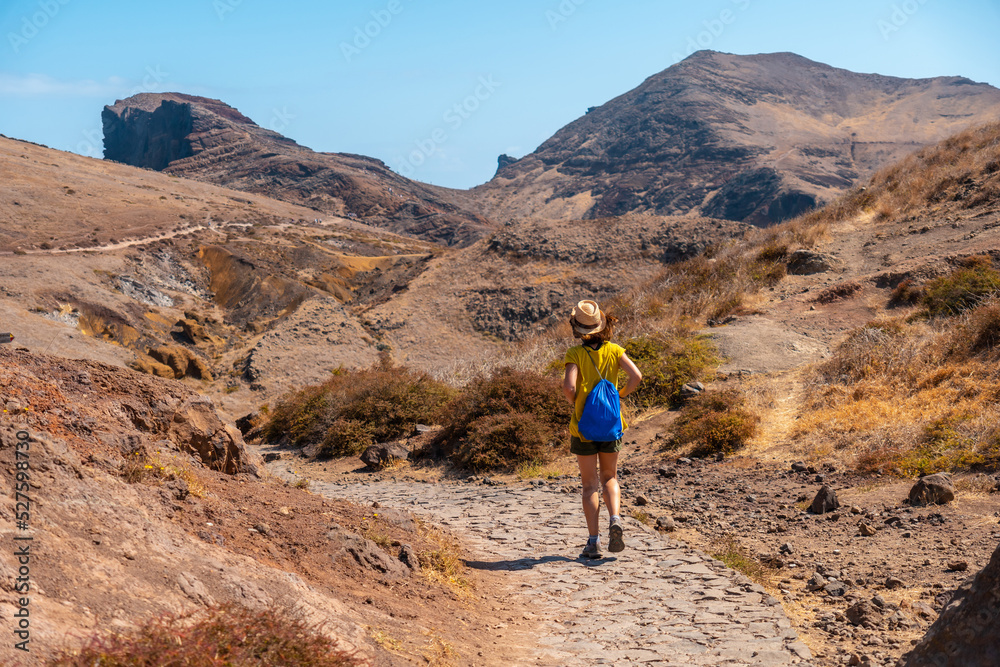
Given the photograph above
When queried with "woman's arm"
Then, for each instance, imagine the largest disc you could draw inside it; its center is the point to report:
(633, 372)
(569, 383)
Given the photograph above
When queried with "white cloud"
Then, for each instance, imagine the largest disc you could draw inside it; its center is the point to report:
(43, 85)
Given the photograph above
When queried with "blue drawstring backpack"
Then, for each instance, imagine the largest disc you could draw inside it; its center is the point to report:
(601, 420)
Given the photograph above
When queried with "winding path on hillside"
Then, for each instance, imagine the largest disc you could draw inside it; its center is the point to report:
(658, 602)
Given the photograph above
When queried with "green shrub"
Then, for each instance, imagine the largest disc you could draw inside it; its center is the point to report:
(716, 422)
(353, 409)
(223, 635)
(667, 364)
(961, 290)
(505, 419)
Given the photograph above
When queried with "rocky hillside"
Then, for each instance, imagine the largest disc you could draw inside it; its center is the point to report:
(143, 501)
(207, 140)
(752, 138)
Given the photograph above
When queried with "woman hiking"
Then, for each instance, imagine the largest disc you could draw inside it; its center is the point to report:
(596, 359)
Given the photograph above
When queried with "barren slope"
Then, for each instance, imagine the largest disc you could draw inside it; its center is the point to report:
(207, 140)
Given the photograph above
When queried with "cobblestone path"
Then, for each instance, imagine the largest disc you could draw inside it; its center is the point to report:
(658, 602)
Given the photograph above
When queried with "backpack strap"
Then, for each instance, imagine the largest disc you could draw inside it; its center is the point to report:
(599, 374)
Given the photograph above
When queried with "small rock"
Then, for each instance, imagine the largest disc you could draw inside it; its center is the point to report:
(284, 511)
(799, 466)
(878, 601)
(862, 613)
(666, 524)
(836, 589)
(816, 582)
(866, 530)
(641, 500)
(785, 548)
(825, 501)
(820, 479)
(691, 390)
(272, 456)
(667, 473)
(408, 556)
(262, 528)
(893, 583)
(958, 566)
(936, 489)
(684, 460)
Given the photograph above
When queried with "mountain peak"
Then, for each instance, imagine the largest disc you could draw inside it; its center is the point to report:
(755, 138)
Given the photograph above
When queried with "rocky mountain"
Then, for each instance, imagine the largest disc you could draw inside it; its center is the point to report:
(207, 140)
(751, 138)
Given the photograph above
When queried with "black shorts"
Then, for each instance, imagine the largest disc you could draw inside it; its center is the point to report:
(589, 448)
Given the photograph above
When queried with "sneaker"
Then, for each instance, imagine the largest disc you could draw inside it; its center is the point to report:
(593, 549)
(615, 541)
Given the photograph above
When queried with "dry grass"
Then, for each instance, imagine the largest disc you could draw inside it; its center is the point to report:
(737, 557)
(141, 466)
(964, 169)
(219, 636)
(911, 396)
(442, 562)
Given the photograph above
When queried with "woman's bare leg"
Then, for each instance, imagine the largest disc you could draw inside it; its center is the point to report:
(609, 483)
(591, 491)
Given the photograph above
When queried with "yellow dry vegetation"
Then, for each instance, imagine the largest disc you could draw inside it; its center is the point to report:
(910, 396)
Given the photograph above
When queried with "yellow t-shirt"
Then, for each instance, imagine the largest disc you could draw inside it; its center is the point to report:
(606, 359)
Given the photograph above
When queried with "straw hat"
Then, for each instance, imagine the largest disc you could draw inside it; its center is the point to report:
(588, 318)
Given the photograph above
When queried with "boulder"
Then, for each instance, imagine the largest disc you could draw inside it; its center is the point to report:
(968, 631)
(807, 262)
(936, 489)
(196, 427)
(365, 553)
(380, 455)
(825, 501)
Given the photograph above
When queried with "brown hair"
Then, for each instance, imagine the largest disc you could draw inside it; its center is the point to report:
(604, 335)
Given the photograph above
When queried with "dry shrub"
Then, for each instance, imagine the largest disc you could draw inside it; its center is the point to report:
(839, 292)
(667, 363)
(353, 409)
(906, 293)
(505, 419)
(222, 635)
(961, 290)
(715, 423)
(496, 442)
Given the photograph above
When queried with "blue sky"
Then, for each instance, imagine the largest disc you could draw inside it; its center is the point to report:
(437, 89)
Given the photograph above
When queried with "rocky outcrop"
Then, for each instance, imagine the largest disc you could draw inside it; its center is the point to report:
(196, 427)
(757, 138)
(968, 631)
(205, 139)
